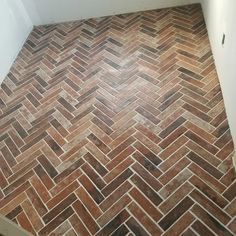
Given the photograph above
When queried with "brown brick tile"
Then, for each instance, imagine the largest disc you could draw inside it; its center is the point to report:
(176, 213)
(122, 230)
(40, 188)
(66, 182)
(18, 182)
(208, 191)
(68, 171)
(96, 164)
(13, 194)
(205, 165)
(8, 156)
(231, 208)
(147, 153)
(89, 203)
(22, 168)
(96, 141)
(56, 222)
(148, 133)
(119, 158)
(135, 227)
(62, 229)
(230, 192)
(25, 223)
(6, 170)
(172, 127)
(78, 226)
(36, 201)
(207, 178)
(203, 153)
(175, 198)
(211, 222)
(32, 215)
(114, 224)
(112, 198)
(118, 169)
(85, 217)
(232, 226)
(172, 172)
(47, 166)
(173, 147)
(3, 180)
(201, 228)
(59, 208)
(12, 215)
(114, 210)
(180, 225)
(146, 190)
(212, 208)
(62, 195)
(121, 147)
(149, 166)
(117, 182)
(46, 180)
(175, 183)
(94, 177)
(145, 204)
(91, 188)
(201, 142)
(146, 222)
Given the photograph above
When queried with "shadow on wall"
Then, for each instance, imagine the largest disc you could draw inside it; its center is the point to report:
(220, 18)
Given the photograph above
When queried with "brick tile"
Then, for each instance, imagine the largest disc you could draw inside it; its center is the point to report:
(135, 227)
(201, 228)
(89, 203)
(114, 223)
(57, 209)
(114, 210)
(116, 182)
(145, 204)
(112, 198)
(25, 223)
(212, 208)
(146, 222)
(209, 192)
(85, 217)
(78, 226)
(211, 222)
(180, 225)
(31, 213)
(175, 198)
(94, 177)
(56, 222)
(176, 213)
(147, 191)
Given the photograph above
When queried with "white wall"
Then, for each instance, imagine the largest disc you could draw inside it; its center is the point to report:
(221, 18)
(15, 26)
(50, 11)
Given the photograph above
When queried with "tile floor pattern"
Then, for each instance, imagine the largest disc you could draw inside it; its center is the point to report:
(116, 126)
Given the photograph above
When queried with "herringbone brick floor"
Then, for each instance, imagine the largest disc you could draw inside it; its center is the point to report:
(116, 126)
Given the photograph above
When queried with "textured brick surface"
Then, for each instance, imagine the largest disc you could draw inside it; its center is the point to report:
(117, 126)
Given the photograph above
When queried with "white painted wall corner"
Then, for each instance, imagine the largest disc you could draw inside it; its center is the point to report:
(15, 26)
